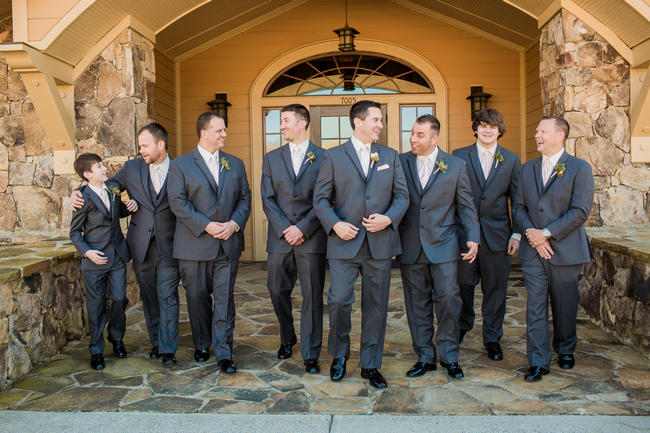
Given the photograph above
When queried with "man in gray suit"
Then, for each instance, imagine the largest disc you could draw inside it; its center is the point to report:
(150, 238)
(209, 194)
(557, 195)
(296, 241)
(495, 175)
(439, 190)
(360, 198)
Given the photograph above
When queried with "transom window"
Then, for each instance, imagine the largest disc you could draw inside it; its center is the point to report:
(348, 74)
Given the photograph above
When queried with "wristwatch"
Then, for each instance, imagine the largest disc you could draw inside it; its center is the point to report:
(546, 233)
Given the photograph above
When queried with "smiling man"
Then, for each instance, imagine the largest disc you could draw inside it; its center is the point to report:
(495, 176)
(360, 198)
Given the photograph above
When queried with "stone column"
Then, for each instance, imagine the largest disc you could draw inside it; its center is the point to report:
(588, 83)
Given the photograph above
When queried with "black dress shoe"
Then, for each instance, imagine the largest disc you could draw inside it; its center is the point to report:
(337, 370)
(453, 370)
(227, 366)
(154, 353)
(201, 355)
(118, 348)
(535, 373)
(374, 377)
(419, 368)
(494, 351)
(566, 361)
(311, 366)
(284, 352)
(168, 359)
(97, 362)
(461, 335)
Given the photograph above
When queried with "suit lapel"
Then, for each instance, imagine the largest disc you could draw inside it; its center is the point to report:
(286, 157)
(352, 154)
(145, 178)
(495, 167)
(305, 164)
(537, 173)
(200, 162)
(374, 148)
(223, 173)
(436, 172)
(476, 166)
(98, 203)
(163, 190)
(562, 160)
(412, 162)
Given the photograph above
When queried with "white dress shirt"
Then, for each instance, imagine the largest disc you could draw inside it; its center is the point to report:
(363, 152)
(548, 165)
(158, 173)
(425, 164)
(102, 192)
(298, 154)
(212, 161)
(486, 156)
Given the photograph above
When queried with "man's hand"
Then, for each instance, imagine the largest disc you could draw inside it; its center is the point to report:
(132, 206)
(97, 257)
(212, 229)
(376, 222)
(345, 231)
(471, 254)
(535, 237)
(293, 235)
(513, 246)
(544, 250)
(225, 230)
(76, 200)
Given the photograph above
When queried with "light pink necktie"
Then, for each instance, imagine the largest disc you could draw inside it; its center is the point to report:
(486, 163)
(423, 172)
(104, 198)
(547, 168)
(213, 165)
(155, 178)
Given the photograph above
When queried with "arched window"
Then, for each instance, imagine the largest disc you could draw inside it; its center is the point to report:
(348, 74)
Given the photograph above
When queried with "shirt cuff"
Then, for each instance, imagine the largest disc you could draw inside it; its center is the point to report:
(516, 236)
(236, 225)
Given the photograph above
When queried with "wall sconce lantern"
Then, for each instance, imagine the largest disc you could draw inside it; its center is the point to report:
(346, 34)
(478, 99)
(220, 105)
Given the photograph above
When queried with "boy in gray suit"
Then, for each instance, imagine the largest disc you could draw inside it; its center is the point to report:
(96, 233)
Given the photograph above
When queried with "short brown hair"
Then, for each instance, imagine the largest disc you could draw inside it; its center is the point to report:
(360, 110)
(204, 119)
(432, 120)
(561, 124)
(158, 132)
(490, 116)
(85, 162)
(300, 110)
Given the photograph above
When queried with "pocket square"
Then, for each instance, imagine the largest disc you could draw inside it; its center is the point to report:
(383, 167)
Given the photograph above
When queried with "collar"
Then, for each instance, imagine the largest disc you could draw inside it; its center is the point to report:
(207, 156)
(302, 147)
(98, 189)
(358, 144)
(554, 158)
(163, 166)
(491, 150)
(429, 159)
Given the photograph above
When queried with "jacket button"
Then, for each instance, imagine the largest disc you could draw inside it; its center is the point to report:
(422, 207)
(483, 198)
(541, 210)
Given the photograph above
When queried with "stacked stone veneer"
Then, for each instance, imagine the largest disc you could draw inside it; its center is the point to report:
(42, 304)
(585, 80)
(113, 98)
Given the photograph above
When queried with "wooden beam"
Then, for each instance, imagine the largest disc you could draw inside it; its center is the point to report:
(640, 123)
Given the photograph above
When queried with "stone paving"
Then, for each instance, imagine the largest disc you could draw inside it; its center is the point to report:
(609, 378)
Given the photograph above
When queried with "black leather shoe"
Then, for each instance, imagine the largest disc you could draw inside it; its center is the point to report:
(337, 370)
(227, 366)
(494, 351)
(374, 377)
(168, 359)
(118, 348)
(453, 370)
(461, 335)
(419, 368)
(566, 361)
(284, 352)
(97, 362)
(201, 355)
(311, 366)
(535, 373)
(154, 353)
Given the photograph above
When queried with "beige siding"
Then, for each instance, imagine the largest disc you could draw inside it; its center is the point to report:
(533, 101)
(164, 98)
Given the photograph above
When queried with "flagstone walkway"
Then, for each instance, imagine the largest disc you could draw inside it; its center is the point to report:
(609, 378)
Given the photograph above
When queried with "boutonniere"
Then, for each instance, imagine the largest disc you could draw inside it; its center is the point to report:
(115, 190)
(224, 163)
(499, 159)
(559, 169)
(310, 157)
(374, 157)
(442, 167)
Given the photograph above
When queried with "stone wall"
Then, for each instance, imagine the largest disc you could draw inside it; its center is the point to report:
(585, 80)
(42, 304)
(113, 98)
(615, 287)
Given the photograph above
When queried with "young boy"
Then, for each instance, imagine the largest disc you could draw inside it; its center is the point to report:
(95, 232)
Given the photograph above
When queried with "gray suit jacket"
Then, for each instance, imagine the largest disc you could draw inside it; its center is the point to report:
(562, 206)
(93, 227)
(491, 195)
(153, 217)
(430, 221)
(195, 200)
(343, 193)
(289, 199)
